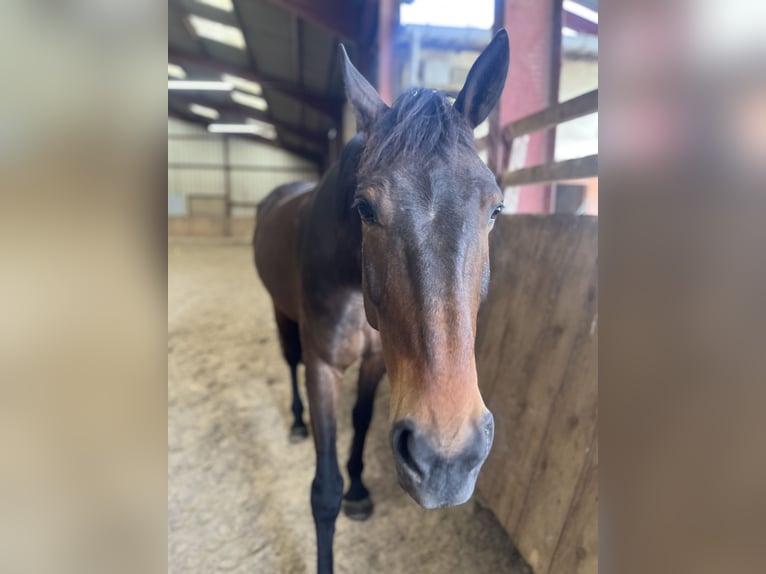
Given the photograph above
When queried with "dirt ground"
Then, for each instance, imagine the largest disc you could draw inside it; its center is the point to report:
(238, 491)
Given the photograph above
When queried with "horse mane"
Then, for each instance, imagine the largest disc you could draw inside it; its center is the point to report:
(421, 124)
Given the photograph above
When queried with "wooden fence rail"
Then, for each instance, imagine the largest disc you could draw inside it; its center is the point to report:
(578, 168)
(578, 107)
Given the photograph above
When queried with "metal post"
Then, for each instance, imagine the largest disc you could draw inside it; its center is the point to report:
(227, 186)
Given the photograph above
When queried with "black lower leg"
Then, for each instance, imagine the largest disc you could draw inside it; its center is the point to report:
(362, 415)
(290, 340)
(358, 504)
(298, 430)
(322, 383)
(326, 497)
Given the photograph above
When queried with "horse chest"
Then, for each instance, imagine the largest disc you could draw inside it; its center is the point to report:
(340, 333)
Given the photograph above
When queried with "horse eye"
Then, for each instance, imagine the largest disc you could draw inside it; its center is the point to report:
(366, 213)
(498, 210)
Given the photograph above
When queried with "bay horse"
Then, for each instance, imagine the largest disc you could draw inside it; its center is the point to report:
(387, 260)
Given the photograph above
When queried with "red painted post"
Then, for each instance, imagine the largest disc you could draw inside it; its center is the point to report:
(534, 29)
(387, 19)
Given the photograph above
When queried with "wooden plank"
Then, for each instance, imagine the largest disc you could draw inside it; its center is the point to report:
(196, 226)
(536, 358)
(209, 206)
(214, 196)
(579, 168)
(242, 227)
(577, 548)
(568, 433)
(578, 107)
(205, 226)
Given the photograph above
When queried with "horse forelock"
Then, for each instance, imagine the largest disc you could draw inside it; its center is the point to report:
(421, 125)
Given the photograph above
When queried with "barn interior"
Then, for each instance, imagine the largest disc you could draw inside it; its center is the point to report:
(256, 100)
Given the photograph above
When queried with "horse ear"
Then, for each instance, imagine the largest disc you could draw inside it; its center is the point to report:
(485, 81)
(368, 105)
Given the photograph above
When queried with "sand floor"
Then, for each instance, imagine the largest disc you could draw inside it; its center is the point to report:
(238, 491)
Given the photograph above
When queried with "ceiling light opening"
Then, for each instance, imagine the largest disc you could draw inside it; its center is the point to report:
(176, 71)
(251, 101)
(217, 32)
(252, 127)
(243, 84)
(225, 5)
(204, 111)
(202, 85)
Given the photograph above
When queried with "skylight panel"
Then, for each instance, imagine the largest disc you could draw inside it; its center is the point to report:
(263, 129)
(249, 100)
(252, 127)
(217, 32)
(199, 85)
(243, 84)
(204, 111)
(176, 71)
(225, 5)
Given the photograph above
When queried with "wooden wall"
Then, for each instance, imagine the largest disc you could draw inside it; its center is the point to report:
(537, 363)
(211, 226)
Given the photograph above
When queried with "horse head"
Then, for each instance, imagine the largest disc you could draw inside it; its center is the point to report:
(427, 203)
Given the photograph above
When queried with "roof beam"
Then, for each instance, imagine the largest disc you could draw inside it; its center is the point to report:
(330, 107)
(336, 16)
(315, 138)
(580, 24)
(315, 158)
(245, 32)
(297, 47)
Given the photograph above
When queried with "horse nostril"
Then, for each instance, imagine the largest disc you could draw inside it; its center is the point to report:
(403, 443)
(488, 427)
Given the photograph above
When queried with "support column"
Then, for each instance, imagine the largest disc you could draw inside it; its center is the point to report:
(388, 17)
(227, 185)
(534, 29)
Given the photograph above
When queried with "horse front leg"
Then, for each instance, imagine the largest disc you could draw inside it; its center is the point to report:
(323, 381)
(357, 503)
(298, 431)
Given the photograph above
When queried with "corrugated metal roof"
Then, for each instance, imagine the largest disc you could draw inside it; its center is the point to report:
(290, 51)
(293, 58)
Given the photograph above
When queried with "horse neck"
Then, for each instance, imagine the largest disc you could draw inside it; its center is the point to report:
(335, 233)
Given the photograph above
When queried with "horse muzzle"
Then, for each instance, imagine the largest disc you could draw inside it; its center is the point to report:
(434, 479)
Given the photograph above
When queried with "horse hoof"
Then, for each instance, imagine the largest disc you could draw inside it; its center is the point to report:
(298, 434)
(358, 509)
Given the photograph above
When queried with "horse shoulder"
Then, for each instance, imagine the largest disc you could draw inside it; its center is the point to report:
(334, 327)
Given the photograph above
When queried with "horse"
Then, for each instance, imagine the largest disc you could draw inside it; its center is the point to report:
(387, 259)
